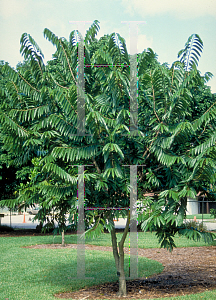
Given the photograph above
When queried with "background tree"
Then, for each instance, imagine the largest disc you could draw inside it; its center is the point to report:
(10, 175)
(51, 207)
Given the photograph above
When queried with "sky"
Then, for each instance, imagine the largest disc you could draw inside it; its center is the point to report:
(163, 25)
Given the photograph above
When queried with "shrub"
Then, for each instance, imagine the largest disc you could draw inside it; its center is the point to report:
(196, 225)
(213, 212)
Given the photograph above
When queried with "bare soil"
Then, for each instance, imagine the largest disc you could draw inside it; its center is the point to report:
(186, 271)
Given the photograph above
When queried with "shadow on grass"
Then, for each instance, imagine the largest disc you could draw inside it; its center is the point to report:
(99, 265)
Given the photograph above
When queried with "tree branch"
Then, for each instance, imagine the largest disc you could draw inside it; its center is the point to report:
(28, 83)
(68, 61)
(17, 91)
(96, 165)
(114, 245)
(148, 149)
(121, 243)
(154, 101)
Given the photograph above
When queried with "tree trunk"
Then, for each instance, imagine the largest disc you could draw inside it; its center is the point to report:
(122, 281)
(63, 238)
(119, 257)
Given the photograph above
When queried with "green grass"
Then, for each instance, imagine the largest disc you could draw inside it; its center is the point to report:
(40, 273)
(145, 240)
(210, 221)
(31, 274)
(199, 216)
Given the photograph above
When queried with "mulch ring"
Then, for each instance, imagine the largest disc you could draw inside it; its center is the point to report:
(186, 271)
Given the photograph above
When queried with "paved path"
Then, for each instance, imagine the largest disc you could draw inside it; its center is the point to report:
(17, 222)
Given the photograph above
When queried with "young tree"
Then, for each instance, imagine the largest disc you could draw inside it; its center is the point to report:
(179, 157)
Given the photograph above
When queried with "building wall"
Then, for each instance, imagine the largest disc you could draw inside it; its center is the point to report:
(192, 206)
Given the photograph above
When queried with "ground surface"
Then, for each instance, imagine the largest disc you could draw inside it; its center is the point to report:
(186, 271)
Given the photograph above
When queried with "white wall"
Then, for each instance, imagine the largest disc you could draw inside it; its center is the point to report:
(192, 207)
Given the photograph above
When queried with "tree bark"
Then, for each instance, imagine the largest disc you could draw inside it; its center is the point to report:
(63, 239)
(122, 281)
(119, 257)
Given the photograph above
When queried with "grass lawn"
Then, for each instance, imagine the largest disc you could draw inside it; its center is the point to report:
(37, 274)
(199, 216)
